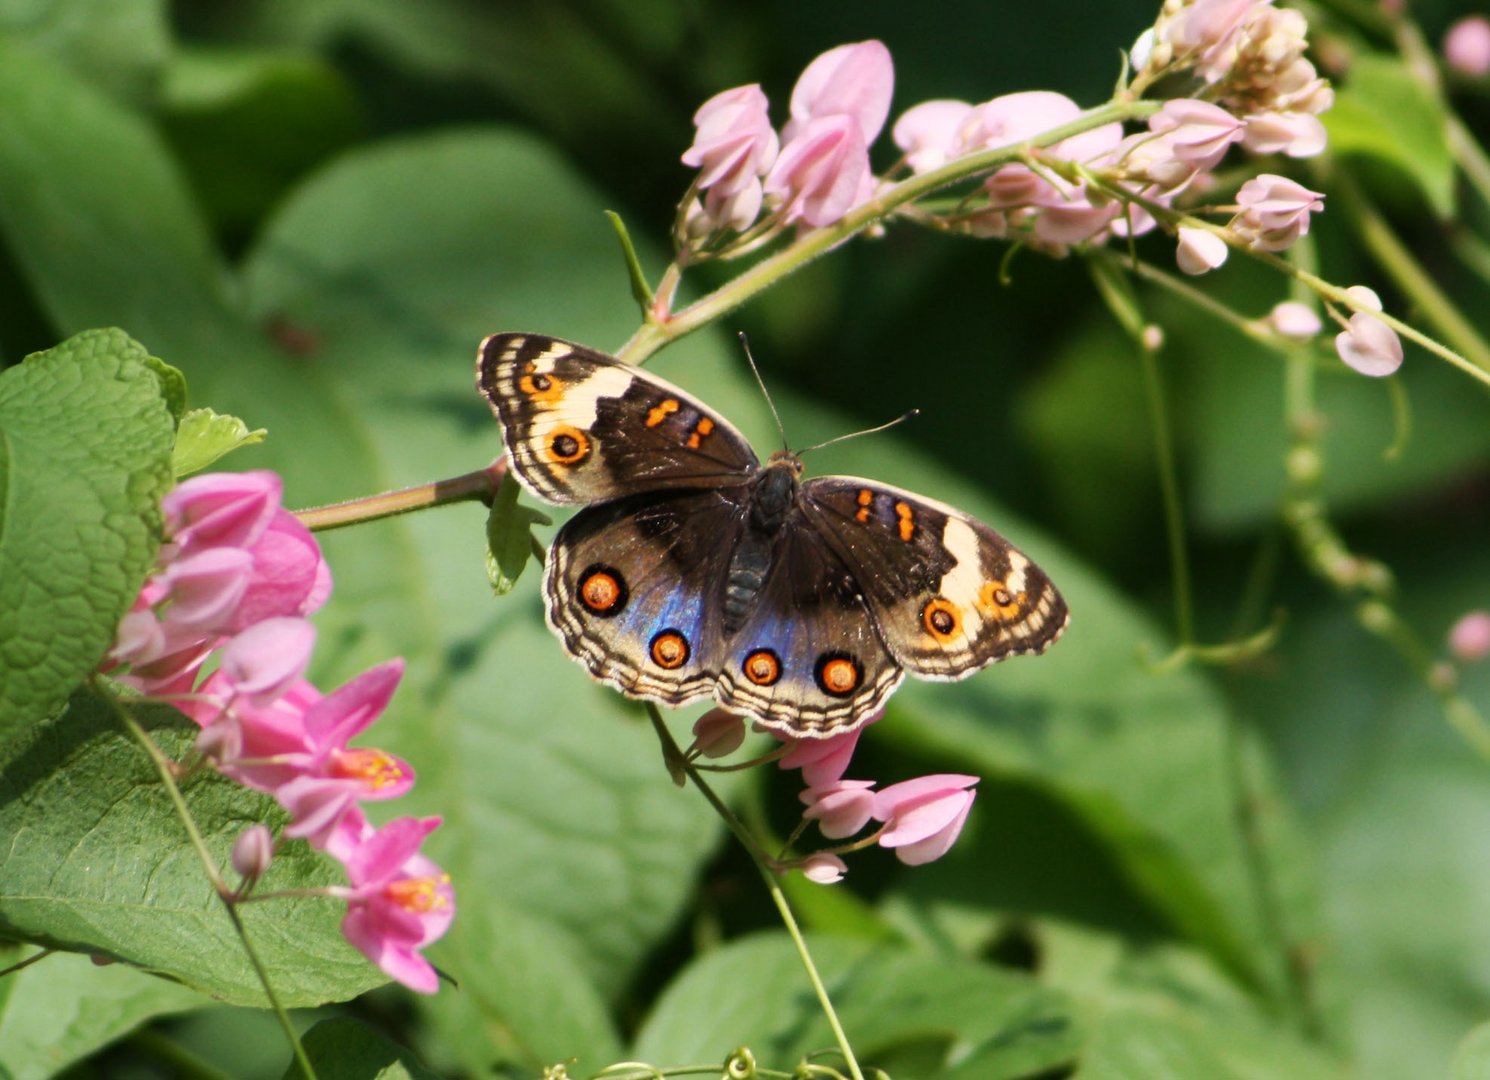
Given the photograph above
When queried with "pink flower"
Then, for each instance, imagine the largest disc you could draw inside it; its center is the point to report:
(1294, 320)
(1466, 47)
(289, 575)
(264, 660)
(824, 760)
(1188, 137)
(1369, 345)
(1469, 640)
(838, 107)
(929, 133)
(852, 80)
(923, 817)
(259, 746)
(840, 808)
(399, 901)
(1017, 118)
(733, 147)
(221, 509)
(204, 589)
(1199, 250)
(1274, 211)
(1296, 134)
(252, 852)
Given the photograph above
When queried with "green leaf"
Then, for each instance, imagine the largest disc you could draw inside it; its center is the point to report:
(172, 386)
(56, 1012)
(1472, 1062)
(203, 436)
(93, 859)
(84, 458)
(345, 1049)
(119, 46)
(509, 535)
(1385, 113)
(892, 1002)
(294, 109)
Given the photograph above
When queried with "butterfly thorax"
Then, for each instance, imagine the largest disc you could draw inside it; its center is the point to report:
(773, 497)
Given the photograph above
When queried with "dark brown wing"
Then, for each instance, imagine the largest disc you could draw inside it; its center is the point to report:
(582, 427)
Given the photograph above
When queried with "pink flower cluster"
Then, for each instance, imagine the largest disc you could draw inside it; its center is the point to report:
(815, 171)
(920, 819)
(236, 579)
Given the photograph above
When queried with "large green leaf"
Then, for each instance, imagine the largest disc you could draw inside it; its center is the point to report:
(85, 450)
(892, 1002)
(1385, 112)
(94, 861)
(62, 1009)
(119, 46)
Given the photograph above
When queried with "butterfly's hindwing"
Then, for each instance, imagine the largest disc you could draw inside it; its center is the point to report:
(949, 594)
(581, 427)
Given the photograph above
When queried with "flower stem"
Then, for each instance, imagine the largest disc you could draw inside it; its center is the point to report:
(674, 753)
(163, 766)
(655, 333)
(469, 486)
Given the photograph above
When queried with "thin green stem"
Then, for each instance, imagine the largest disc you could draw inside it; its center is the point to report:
(655, 333)
(478, 485)
(165, 768)
(1409, 275)
(21, 965)
(674, 755)
(1125, 309)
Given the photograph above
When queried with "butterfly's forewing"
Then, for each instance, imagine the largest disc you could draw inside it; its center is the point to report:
(581, 427)
(948, 593)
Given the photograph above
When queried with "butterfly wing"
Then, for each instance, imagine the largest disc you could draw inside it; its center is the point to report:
(582, 427)
(632, 590)
(949, 595)
(809, 661)
(635, 587)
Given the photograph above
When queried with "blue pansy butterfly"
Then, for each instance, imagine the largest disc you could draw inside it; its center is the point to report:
(694, 571)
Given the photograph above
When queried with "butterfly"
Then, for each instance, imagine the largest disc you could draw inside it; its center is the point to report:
(692, 570)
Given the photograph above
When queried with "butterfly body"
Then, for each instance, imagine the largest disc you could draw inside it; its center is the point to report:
(695, 571)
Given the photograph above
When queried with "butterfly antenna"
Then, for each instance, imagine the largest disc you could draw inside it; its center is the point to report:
(867, 431)
(745, 344)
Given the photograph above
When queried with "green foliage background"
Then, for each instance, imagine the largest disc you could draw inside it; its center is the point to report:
(315, 210)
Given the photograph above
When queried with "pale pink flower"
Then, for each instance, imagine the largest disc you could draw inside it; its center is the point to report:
(1070, 219)
(840, 808)
(824, 868)
(929, 133)
(1019, 117)
(718, 733)
(1364, 296)
(1295, 320)
(1469, 639)
(1296, 134)
(289, 577)
(733, 148)
(1190, 136)
(264, 660)
(1369, 345)
(204, 589)
(1274, 211)
(838, 107)
(1466, 47)
(923, 817)
(851, 80)
(252, 852)
(259, 746)
(399, 901)
(1199, 250)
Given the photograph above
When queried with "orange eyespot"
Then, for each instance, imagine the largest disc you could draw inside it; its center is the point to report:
(942, 619)
(701, 431)
(996, 599)
(669, 650)
(567, 445)
(541, 387)
(838, 675)
(865, 500)
(602, 590)
(762, 667)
